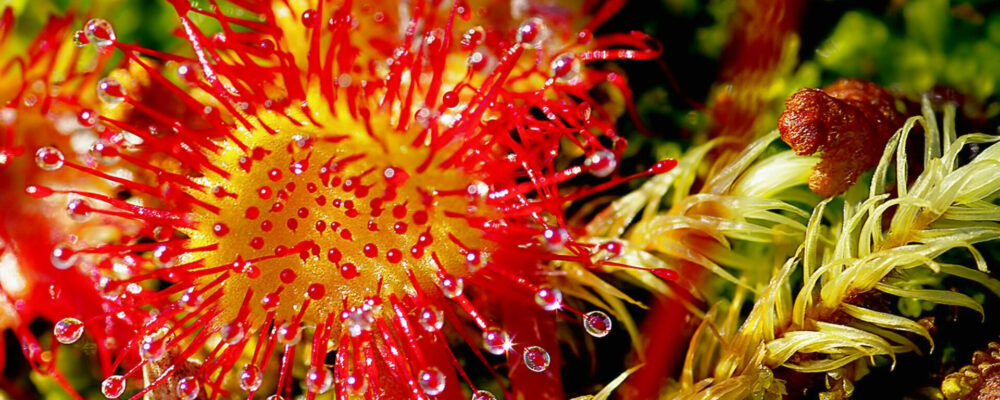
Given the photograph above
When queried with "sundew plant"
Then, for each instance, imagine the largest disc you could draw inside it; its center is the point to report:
(498, 199)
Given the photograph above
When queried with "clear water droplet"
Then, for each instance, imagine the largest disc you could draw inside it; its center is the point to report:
(163, 257)
(532, 32)
(597, 323)
(496, 341)
(152, 348)
(113, 386)
(319, 380)
(63, 257)
(49, 158)
(431, 319)
(80, 39)
(110, 91)
(68, 330)
(452, 287)
(104, 153)
(602, 163)
(188, 388)
(565, 68)
(536, 358)
(356, 384)
(250, 378)
(78, 209)
(549, 298)
(431, 381)
(232, 333)
(275, 397)
(191, 299)
(555, 239)
(483, 395)
(100, 32)
(289, 334)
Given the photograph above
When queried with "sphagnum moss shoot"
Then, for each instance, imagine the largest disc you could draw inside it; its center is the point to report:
(347, 195)
(810, 312)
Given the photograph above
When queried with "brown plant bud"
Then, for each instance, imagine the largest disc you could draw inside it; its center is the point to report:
(848, 122)
(978, 381)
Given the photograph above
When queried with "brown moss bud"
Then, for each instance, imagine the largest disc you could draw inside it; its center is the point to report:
(977, 381)
(849, 122)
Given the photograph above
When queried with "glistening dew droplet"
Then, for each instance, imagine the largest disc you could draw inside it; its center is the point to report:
(49, 158)
(602, 163)
(532, 32)
(80, 39)
(319, 380)
(483, 395)
(356, 384)
(63, 257)
(152, 348)
(597, 323)
(100, 32)
(68, 330)
(564, 68)
(496, 341)
(452, 287)
(250, 378)
(549, 298)
(431, 381)
(78, 209)
(113, 386)
(431, 319)
(188, 388)
(536, 358)
(110, 91)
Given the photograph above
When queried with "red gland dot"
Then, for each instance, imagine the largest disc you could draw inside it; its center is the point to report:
(370, 250)
(316, 291)
(420, 217)
(449, 100)
(320, 226)
(274, 174)
(252, 271)
(309, 18)
(220, 229)
(394, 255)
(399, 227)
(417, 252)
(87, 117)
(665, 273)
(292, 224)
(257, 243)
(266, 225)
(280, 250)
(303, 212)
(38, 192)
(333, 255)
(321, 200)
(270, 301)
(399, 211)
(287, 275)
(348, 271)
(266, 46)
(264, 192)
(425, 239)
(252, 213)
(663, 166)
(311, 187)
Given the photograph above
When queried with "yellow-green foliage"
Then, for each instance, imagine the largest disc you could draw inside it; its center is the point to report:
(821, 322)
